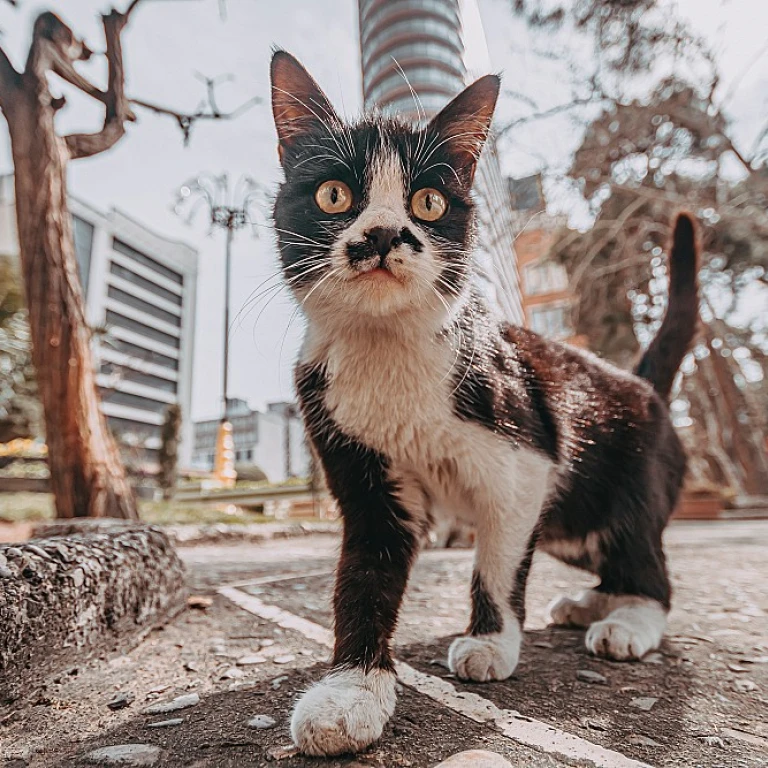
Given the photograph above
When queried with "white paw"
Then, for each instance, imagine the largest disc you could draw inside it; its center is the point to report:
(577, 612)
(344, 712)
(485, 657)
(620, 640)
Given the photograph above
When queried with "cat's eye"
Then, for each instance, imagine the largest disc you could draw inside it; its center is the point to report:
(428, 204)
(334, 197)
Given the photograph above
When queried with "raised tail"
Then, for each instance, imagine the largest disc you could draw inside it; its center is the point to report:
(663, 357)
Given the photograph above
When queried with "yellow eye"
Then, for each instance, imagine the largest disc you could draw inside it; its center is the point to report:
(334, 197)
(428, 204)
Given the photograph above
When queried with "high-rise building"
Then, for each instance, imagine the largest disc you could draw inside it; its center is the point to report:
(140, 293)
(417, 55)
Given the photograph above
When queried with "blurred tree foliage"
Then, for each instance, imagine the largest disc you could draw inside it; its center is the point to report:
(20, 410)
(168, 457)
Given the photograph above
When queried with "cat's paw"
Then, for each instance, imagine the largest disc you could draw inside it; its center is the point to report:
(344, 712)
(484, 657)
(620, 640)
(576, 612)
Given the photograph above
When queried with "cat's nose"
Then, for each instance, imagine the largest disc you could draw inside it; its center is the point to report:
(383, 239)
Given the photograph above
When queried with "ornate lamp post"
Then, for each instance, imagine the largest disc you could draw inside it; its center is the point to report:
(228, 209)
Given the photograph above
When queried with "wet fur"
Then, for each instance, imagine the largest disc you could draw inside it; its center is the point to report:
(417, 398)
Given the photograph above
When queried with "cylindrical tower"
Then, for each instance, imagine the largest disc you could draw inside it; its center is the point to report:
(411, 44)
(414, 58)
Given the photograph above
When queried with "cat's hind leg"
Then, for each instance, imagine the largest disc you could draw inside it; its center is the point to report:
(626, 615)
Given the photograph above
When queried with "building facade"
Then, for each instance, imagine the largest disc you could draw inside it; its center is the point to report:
(140, 294)
(272, 440)
(416, 56)
(547, 298)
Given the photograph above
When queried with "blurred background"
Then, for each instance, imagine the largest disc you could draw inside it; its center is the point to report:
(614, 114)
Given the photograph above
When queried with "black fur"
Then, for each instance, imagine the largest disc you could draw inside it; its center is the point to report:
(486, 616)
(378, 544)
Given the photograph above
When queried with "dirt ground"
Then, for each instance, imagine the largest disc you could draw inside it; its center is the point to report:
(702, 702)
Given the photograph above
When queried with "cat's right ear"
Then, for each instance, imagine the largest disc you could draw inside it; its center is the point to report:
(298, 104)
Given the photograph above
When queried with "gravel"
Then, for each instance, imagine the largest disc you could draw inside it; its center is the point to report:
(180, 702)
(124, 754)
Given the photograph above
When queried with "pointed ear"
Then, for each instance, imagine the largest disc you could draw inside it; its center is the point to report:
(298, 104)
(464, 124)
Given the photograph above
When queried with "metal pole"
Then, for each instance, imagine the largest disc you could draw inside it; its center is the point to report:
(227, 272)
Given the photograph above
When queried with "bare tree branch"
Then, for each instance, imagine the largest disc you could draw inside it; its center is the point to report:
(551, 112)
(117, 109)
(9, 80)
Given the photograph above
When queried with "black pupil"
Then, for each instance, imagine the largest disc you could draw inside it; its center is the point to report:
(428, 202)
(334, 195)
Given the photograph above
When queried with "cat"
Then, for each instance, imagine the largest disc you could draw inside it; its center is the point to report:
(416, 397)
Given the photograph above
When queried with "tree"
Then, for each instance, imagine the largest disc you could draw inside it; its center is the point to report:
(169, 450)
(638, 163)
(87, 475)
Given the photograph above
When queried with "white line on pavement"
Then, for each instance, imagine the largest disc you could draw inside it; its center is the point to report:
(513, 725)
(277, 579)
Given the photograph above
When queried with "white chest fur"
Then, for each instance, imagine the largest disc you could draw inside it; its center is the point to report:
(396, 396)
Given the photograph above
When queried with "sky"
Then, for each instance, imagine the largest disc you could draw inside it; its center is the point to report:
(167, 42)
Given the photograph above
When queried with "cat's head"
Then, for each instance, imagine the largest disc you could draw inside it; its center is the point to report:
(375, 219)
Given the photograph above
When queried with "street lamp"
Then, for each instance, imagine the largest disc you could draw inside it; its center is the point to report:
(230, 210)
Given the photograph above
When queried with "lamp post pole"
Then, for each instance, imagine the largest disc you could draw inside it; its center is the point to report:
(228, 210)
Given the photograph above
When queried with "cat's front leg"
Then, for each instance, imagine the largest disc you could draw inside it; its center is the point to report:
(382, 513)
(507, 517)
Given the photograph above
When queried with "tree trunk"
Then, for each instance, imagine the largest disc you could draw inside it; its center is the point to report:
(87, 475)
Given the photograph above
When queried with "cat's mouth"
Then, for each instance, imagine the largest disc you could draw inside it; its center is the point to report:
(378, 274)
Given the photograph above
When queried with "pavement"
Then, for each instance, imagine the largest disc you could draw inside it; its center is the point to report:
(259, 636)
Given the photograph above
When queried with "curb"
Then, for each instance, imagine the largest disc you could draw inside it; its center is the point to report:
(64, 595)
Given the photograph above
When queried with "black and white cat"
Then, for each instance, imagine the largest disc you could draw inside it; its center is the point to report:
(417, 398)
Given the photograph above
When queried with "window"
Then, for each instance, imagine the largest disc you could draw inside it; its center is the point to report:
(120, 426)
(113, 318)
(138, 377)
(142, 282)
(135, 401)
(147, 261)
(552, 321)
(145, 355)
(83, 236)
(545, 277)
(143, 306)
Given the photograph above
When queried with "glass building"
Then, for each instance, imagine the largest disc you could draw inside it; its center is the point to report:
(422, 47)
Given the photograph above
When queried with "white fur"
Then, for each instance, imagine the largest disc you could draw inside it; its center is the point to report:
(621, 627)
(486, 657)
(628, 632)
(344, 712)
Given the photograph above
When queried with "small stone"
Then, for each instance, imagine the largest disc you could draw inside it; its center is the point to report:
(588, 676)
(475, 758)
(736, 668)
(286, 659)
(232, 674)
(262, 722)
(543, 644)
(13, 552)
(219, 649)
(638, 740)
(595, 725)
(35, 550)
(180, 702)
(78, 577)
(278, 681)
(138, 755)
(745, 686)
(653, 658)
(192, 666)
(199, 602)
(166, 723)
(266, 643)
(247, 661)
(713, 741)
(121, 701)
(646, 703)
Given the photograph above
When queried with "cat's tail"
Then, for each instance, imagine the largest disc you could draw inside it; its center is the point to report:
(663, 357)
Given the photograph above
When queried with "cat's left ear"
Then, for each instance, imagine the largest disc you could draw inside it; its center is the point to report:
(298, 104)
(464, 124)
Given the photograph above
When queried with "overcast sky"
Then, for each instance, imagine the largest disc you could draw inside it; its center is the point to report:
(167, 41)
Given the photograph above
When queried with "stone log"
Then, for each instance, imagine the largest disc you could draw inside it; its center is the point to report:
(64, 597)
